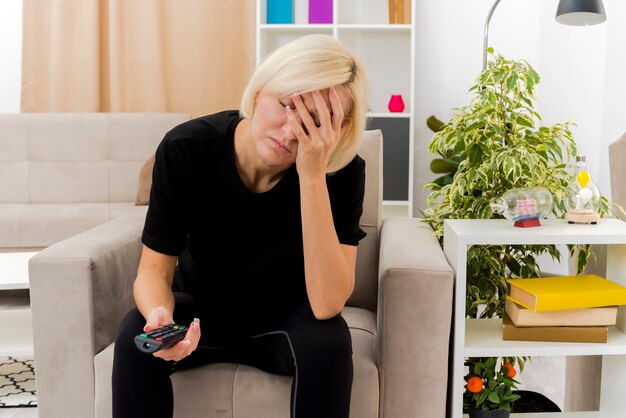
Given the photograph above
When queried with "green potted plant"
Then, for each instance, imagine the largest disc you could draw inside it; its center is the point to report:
(489, 387)
(493, 145)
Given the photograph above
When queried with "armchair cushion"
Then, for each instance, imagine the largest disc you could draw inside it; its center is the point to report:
(617, 157)
(208, 390)
(145, 182)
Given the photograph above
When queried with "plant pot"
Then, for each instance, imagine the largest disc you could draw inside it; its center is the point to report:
(479, 413)
(530, 401)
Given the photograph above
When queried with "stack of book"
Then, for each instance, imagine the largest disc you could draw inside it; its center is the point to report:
(562, 308)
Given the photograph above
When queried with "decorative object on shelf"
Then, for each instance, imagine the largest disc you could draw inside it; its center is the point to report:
(568, 12)
(400, 11)
(524, 205)
(531, 401)
(582, 198)
(489, 387)
(579, 317)
(542, 294)
(552, 295)
(279, 11)
(575, 334)
(396, 104)
(320, 11)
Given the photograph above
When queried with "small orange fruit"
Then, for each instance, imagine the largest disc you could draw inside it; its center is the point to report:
(510, 370)
(474, 384)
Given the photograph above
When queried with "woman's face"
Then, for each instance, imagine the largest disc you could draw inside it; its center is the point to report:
(274, 140)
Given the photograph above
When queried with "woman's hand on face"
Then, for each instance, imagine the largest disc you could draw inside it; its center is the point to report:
(316, 141)
(184, 347)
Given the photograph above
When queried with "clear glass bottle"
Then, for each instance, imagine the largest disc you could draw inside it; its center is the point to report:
(524, 203)
(582, 195)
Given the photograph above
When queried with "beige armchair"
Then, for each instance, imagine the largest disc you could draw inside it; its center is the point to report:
(399, 316)
(617, 164)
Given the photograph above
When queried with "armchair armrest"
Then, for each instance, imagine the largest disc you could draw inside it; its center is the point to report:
(80, 289)
(414, 320)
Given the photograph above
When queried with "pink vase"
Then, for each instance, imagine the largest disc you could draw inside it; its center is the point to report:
(396, 104)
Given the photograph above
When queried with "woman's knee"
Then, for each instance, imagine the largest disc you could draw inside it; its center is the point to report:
(327, 339)
(132, 324)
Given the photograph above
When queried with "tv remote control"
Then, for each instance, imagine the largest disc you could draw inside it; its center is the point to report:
(160, 338)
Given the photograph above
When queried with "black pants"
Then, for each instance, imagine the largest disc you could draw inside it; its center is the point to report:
(318, 354)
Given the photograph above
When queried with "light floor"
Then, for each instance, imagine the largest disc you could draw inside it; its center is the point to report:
(18, 412)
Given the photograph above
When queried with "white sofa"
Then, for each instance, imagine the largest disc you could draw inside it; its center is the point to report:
(64, 173)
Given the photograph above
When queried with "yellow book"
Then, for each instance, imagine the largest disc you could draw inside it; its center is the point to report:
(566, 292)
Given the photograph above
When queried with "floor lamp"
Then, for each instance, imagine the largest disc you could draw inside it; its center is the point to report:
(568, 12)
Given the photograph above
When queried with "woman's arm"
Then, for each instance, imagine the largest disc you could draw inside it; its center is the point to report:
(155, 300)
(329, 266)
(153, 285)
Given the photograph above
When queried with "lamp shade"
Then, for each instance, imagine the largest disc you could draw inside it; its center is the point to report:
(580, 12)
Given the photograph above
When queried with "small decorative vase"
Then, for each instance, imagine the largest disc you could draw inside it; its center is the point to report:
(582, 197)
(479, 413)
(396, 104)
(320, 11)
(524, 205)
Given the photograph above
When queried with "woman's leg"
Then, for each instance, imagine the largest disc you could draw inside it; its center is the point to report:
(141, 382)
(319, 356)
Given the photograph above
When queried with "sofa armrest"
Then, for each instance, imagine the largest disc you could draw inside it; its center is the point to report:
(80, 289)
(415, 301)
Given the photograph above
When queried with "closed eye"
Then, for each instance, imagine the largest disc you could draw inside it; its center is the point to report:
(314, 115)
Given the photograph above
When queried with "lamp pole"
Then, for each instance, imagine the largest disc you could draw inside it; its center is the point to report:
(486, 38)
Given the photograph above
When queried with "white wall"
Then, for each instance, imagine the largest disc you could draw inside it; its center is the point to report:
(11, 55)
(581, 68)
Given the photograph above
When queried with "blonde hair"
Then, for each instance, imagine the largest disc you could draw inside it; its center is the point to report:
(309, 63)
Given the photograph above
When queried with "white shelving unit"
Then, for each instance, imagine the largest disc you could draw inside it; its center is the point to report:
(483, 337)
(388, 53)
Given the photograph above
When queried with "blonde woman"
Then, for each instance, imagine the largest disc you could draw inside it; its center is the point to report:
(255, 213)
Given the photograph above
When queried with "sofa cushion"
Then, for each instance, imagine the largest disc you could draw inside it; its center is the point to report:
(40, 225)
(77, 157)
(217, 390)
(144, 183)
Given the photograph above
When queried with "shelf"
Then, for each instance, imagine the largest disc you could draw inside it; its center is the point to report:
(312, 26)
(580, 414)
(483, 338)
(295, 26)
(399, 115)
(376, 27)
(387, 51)
(551, 231)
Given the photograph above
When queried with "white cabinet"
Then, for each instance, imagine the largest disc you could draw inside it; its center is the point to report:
(483, 337)
(388, 53)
